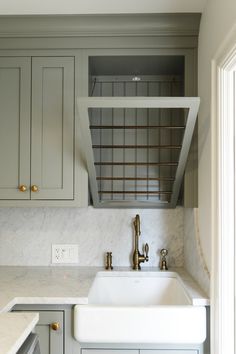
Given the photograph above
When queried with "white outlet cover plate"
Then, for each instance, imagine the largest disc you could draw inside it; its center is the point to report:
(65, 253)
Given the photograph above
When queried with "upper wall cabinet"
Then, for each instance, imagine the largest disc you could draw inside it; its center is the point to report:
(37, 128)
(48, 62)
(138, 123)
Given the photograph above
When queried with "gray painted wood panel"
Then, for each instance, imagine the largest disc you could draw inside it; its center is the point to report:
(100, 25)
(52, 127)
(51, 342)
(14, 127)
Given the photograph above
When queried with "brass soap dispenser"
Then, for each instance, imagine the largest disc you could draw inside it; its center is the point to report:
(163, 262)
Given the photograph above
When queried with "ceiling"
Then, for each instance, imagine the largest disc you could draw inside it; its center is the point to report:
(43, 7)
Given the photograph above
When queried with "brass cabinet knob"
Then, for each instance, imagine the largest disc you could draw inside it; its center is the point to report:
(55, 326)
(34, 188)
(22, 188)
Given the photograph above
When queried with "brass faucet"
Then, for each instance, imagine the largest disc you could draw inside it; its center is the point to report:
(137, 257)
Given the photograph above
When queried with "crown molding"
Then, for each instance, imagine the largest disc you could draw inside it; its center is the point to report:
(184, 24)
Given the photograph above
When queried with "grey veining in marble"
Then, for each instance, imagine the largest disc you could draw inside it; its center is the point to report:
(193, 257)
(26, 234)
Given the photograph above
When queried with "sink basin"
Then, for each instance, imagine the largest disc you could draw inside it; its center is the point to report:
(139, 307)
(132, 289)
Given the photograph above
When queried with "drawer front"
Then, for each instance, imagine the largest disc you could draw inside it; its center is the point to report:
(170, 351)
(110, 351)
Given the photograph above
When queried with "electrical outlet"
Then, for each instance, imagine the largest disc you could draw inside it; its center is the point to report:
(66, 253)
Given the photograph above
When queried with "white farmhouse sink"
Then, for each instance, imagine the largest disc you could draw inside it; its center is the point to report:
(139, 307)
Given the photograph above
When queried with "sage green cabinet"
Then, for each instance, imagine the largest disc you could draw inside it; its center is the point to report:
(51, 331)
(37, 128)
(15, 88)
(51, 340)
(52, 127)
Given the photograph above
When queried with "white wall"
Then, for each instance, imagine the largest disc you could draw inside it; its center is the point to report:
(26, 234)
(217, 20)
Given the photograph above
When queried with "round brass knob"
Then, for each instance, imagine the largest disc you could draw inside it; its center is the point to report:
(55, 326)
(22, 188)
(34, 188)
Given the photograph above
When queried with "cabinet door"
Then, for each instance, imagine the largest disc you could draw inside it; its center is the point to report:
(51, 341)
(52, 127)
(15, 78)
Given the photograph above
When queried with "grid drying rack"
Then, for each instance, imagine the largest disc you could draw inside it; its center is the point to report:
(132, 164)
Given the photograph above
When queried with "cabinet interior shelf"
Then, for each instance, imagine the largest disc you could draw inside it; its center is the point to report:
(134, 192)
(136, 163)
(137, 127)
(135, 179)
(137, 146)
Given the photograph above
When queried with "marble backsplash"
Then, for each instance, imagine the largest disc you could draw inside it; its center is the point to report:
(26, 234)
(194, 258)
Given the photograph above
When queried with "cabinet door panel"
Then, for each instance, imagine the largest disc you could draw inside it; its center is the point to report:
(51, 342)
(52, 127)
(14, 127)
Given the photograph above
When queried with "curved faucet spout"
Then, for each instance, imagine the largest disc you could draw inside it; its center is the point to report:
(137, 225)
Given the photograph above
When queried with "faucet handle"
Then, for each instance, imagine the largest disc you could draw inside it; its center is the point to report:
(109, 261)
(163, 264)
(164, 252)
(146, 251)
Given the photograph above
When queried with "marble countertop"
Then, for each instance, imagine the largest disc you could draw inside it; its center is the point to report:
(55, 285)
(14, 329)
(45, 285)
(65, 285)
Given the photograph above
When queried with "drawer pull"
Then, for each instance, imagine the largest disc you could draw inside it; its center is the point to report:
(55, 326)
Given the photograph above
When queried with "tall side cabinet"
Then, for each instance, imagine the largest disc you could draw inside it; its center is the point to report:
(37, 128)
